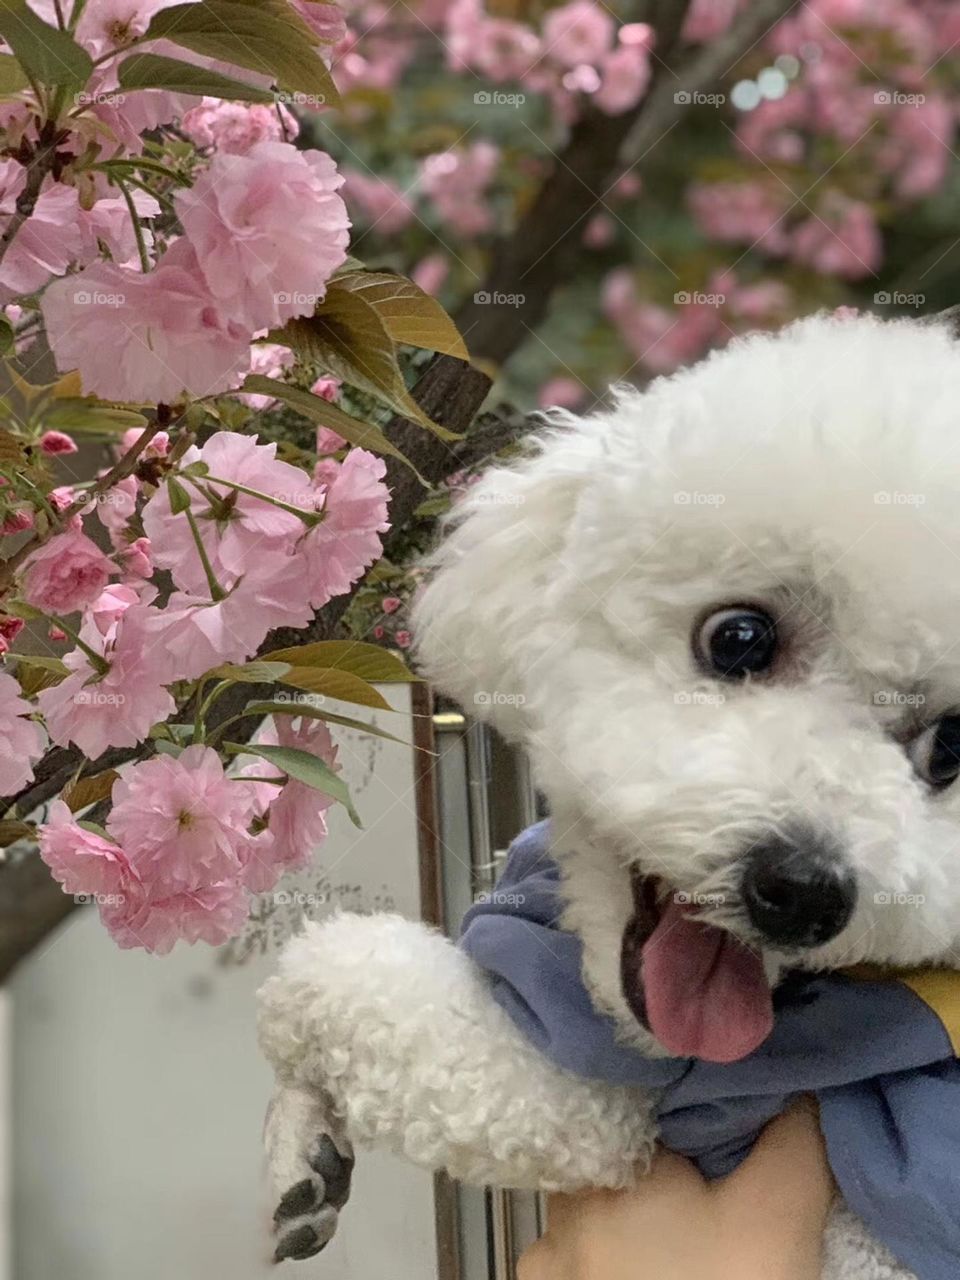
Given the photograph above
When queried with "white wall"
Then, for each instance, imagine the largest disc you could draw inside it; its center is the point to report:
(138, 1092)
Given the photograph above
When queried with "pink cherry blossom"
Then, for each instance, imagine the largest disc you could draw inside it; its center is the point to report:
(80, 860)
(504, 50)
(189, 636)
(327, 388)
(237, 528)
(117, 709)
(563, 392)
(235, 127)
(110, 606)
(213, 914)
(47, 243)
(116, 507)
(327, 20)
(270, 360)
(181, 821)
(390, 604)
(579, 32)
(55, 442)
(113, 24)
(269, 229)
(143, 337)
(843, 240)
(707, 19)
(158, 445)
(297, 817)
(21, 741)
(378, 200)
(431, 272)
(347, 541)
(742, 212)
(457, 181)
(137, 560)
(403, 639)
(67, 573)
(625, 74)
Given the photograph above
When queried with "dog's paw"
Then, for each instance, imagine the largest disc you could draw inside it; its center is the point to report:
(311, 1166)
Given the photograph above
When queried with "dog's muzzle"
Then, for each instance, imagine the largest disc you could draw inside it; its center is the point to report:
(797, 891)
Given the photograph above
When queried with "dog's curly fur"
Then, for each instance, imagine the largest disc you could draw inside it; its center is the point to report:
(814, 473)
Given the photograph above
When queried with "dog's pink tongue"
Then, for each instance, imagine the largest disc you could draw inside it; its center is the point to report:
(706, 993)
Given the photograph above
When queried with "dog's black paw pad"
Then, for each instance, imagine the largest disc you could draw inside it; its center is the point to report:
(302, 1242)
(300, 1199)
(335, 1169)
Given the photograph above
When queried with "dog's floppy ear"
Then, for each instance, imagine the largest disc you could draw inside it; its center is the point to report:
(484, 614)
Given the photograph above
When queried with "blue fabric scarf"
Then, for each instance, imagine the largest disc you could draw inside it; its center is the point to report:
(877, 1054)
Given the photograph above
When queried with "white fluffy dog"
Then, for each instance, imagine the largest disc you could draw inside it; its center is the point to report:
(728, 613)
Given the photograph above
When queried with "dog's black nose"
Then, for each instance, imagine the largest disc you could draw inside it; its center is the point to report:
(797, 892)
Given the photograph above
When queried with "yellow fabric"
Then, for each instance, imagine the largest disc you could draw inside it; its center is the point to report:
(939, 989)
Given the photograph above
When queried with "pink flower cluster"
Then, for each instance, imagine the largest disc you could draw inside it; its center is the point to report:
(263, 232)
(185, 845)
(867, 85)
(579, 50)
(660, 337)
(278, 544)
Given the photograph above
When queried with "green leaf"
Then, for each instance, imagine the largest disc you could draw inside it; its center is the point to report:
(343, 685)
(409, 315)
(41, 660)
(347, 337)
(250, 672)
(317, 713)
(88, 415)
(7, 336)
(363, 434)
(305, 768)
(268, 39)
(12, 79)
(150, 71)
(369, 661)
(96, 828)
(49, 55)
(179, 498)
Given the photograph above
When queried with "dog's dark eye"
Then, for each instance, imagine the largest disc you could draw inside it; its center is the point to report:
(737, 642)
(936, 752)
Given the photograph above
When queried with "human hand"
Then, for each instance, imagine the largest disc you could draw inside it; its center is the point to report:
(763, 1222)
